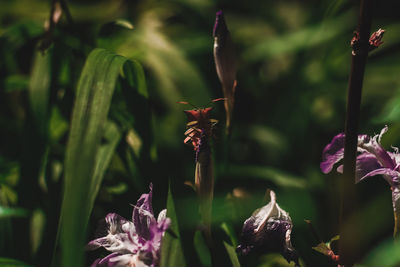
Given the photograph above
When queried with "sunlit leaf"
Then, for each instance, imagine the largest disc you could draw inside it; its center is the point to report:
(86, 159)
(322, 248)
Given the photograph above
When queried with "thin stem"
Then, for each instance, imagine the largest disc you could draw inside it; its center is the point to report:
(348, 235)
(314, 232)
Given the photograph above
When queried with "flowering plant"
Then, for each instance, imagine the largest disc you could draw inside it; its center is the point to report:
(372, 160)
(133, 243)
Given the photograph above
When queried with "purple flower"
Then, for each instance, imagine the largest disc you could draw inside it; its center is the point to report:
(372, 160)
(268, 229)
(133, 243)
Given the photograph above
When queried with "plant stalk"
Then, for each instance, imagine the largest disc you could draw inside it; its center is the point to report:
(348, 234)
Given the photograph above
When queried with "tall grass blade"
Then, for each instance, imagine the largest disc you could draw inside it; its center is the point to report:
(86, 159)
(171, 250)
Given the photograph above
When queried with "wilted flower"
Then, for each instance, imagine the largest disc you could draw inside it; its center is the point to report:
(372, 160)
(268, 229)
(133, 243)
(224, 57)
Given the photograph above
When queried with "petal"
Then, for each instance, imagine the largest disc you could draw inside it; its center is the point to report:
(143, 214)
(372, 145)
(118, 238)
(365, 164)
(162, 215)
(332, 153)
(115, 223)
(157, 231)
(105, 262)
(389, 175)
(127, 260)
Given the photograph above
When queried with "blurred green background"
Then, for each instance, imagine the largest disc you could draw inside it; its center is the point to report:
(293, 66)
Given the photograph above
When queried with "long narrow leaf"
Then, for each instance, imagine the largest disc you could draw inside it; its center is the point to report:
(171, 251)
(39, 89)
(86, 160)
(112, 136)
(232, 254)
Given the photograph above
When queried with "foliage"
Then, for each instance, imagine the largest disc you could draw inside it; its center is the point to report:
(91, 118)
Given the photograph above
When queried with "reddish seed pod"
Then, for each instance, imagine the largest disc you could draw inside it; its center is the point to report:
(332, 255)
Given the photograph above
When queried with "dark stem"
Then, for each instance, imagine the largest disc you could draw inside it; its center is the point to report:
(348, 235)
(65, 8)
(314, 232)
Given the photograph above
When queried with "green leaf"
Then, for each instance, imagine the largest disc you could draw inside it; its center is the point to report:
(6, 212)
(112, 136)
(57, 125)
(325, 248)
(37, 228)
(232, 254)
(7, 262)
(228, 229)
(322, 248)
(39, 89)
(86, 159)
(171, 247)
(202, 250)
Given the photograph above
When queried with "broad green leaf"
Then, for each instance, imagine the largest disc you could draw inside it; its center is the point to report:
(86, 159)
(7, 262)
(6, 212)
(232, 254)
(171, 247)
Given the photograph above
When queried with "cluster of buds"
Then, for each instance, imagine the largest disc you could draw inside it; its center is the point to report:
(374, 42)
